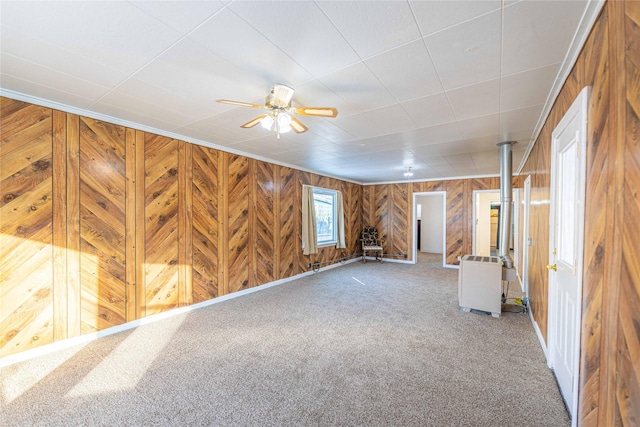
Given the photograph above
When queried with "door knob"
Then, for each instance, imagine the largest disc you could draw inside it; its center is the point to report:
(553, 267)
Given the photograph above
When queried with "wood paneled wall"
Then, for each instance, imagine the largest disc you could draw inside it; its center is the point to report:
(623, 381)
(102, 224)
(97, 228)
(388, 207)
(27, 233)
(610, 337)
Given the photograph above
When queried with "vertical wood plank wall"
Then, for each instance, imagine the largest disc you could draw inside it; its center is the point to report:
(610, 337)
(101, 224)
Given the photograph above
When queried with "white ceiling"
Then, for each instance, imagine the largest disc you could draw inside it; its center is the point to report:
(429, 84)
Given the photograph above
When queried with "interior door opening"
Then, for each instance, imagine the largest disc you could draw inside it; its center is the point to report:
(429, 225)
(486, 232)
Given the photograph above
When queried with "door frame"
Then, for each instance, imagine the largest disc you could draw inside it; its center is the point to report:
(474, 214)
(414, 226)
(578, 107)
(513, 229)
(525, 236)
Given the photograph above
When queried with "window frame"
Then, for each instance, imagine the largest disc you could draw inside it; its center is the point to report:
(334, 216)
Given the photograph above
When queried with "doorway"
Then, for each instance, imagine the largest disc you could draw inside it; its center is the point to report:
(566, 242)
(486, 211)
(486, 229)
(429, 211)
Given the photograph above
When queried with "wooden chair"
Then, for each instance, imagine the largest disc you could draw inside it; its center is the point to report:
(371, 243)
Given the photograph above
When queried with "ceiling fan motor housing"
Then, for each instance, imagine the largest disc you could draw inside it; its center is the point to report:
(280, 96)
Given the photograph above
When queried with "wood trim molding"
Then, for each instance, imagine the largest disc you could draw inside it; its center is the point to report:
(73, 226)
(60, 290)
(130, 225)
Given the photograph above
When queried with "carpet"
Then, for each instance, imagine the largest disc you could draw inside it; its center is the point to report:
(364, 344)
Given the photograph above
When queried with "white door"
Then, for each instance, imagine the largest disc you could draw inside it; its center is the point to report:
(565, 254)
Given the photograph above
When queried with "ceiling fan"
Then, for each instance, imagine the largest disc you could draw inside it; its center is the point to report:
(279, 116)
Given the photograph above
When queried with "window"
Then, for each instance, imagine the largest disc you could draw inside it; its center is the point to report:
(322, 219)
(324, 203)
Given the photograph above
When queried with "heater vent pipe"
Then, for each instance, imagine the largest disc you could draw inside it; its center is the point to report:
(506, 191)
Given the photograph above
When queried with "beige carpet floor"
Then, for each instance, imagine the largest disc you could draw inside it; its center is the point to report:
(363, 344)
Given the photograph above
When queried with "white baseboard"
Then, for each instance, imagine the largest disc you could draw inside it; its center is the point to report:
(87, 338)
(400, 261)
(539, 334)
(434, 251)
(520, 281)
(328, 267)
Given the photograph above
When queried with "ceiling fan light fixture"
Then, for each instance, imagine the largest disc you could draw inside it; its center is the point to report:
(279, 116)
(267, 122)
(284, 122)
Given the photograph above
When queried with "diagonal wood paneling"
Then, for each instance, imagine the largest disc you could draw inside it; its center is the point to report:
(102, 224)
(609, 380)
(427, 186)
(609, 364)
(455, 220)
(390, 205)
(597, 76)
(131, 298)
(382, 213)
(26, 232)
(185, 223)
(345, 189)
(539, 230)
(238, 202)
(131, 201)
(353, 218)
(627, 386)
(263, 255)
(358, 192)
(367, 208)
(288, 225)
(205, 223)
(400, 216)
(60, 229)
(161, 229)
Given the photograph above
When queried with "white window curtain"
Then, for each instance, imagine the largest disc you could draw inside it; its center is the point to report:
(309, 235)
(340, 243)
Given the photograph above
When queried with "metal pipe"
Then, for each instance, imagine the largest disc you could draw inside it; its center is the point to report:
(505, 200)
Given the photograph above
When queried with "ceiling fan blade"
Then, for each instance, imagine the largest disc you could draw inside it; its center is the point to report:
(297, 125)
(316, 111)
(242, 104)
(282, 95)
(251, 123)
